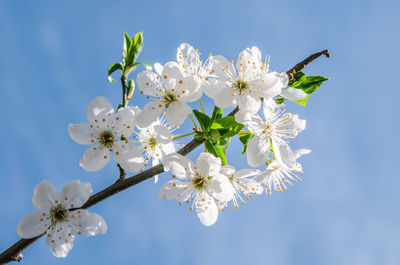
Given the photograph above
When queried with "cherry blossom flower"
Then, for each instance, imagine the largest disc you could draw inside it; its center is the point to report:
(246, 84)
(110, 133)
(203, 183)
(274, 130)
(170, 93)
(278, 175)
(241, 184)
(58, 217)
(156, 141)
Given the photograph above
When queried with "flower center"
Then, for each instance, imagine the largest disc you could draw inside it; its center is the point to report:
(152, 143)
(169, 98)
(269, 130)
(106, 139)
(58, 214)
(200, 183)
(241, 86)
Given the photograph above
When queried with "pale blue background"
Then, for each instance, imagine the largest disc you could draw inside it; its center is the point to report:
(53, 61)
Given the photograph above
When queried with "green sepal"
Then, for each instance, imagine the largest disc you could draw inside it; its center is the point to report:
(112, 69)
(279, 100)
(203, 119)
(245, 138)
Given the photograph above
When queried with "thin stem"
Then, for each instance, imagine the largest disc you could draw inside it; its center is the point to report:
(201, 106)
(292, 73)
(243, 132)
(195, 126)
(227, 143)
(122, 173)
(181, 136)
(123, 83)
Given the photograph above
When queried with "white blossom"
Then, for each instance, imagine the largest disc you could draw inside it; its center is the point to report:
(56, 217)
(241, 184)
(203, 183)
(156, 142)
(278, 175)
(246, 84)
(170, 93)
(277, 127)
(110, 134)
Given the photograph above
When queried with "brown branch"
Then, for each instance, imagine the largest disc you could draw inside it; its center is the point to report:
(13, 253)
(292, 73)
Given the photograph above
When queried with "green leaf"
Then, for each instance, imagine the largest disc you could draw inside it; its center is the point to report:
(210, 148)
(224, 122)
(214, 136)
(221, 154)
(311, 83)
(222, 141)
(231, 131)
(135, 49)
(217, 113)
(127, 44)
(203, 119)
(303, 101)
(148, 66)
(112, 69)
(245, 138)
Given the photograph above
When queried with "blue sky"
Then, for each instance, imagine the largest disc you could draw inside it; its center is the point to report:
(54, 56)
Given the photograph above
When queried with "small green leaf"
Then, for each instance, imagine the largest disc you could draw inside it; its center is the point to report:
(245, 138)
(135, 49)
(217, 113)
(303, 101)
(222, 141)
(221, 154)
(210, 148)
(127, 44)
(148, 66)
(311, 83)
(203, 119)
(231, 131)
(130, 89)
(112, 69)
(224, 122)
(279, 100)
(299, 79)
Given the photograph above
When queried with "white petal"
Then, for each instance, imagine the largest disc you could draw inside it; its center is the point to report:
(249, 61)
(187, 56)
(128, 156)
(220, 188)
(255, 155)
(158, 67)
(81, 133)
(100, 108)
(300, 152)
(284, 155)
(33, 224)
(208, 165)
(173, 77)
(162, 134)
(150, 84)
(225, 98)
(75, 194)
(86, 223)
(177, 164)
(223, 69)
(95, 158)
(60, 239)
(177, 112)
(250, 185)
(262, 178)
(175, 189)
(292, 93)
(124, 123)
(227, 170)
(45, 196)
(206, 210)
(269, 107)
(247, 172)
(149, 113)
(249, 103)
(271, 84)
(213, 87)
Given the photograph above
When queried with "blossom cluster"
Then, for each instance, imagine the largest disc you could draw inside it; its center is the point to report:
(134, 136)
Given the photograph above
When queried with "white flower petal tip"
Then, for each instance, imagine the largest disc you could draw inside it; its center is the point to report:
(56, 218)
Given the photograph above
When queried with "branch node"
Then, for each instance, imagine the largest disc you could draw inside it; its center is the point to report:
(122, 173)
(293, 73)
